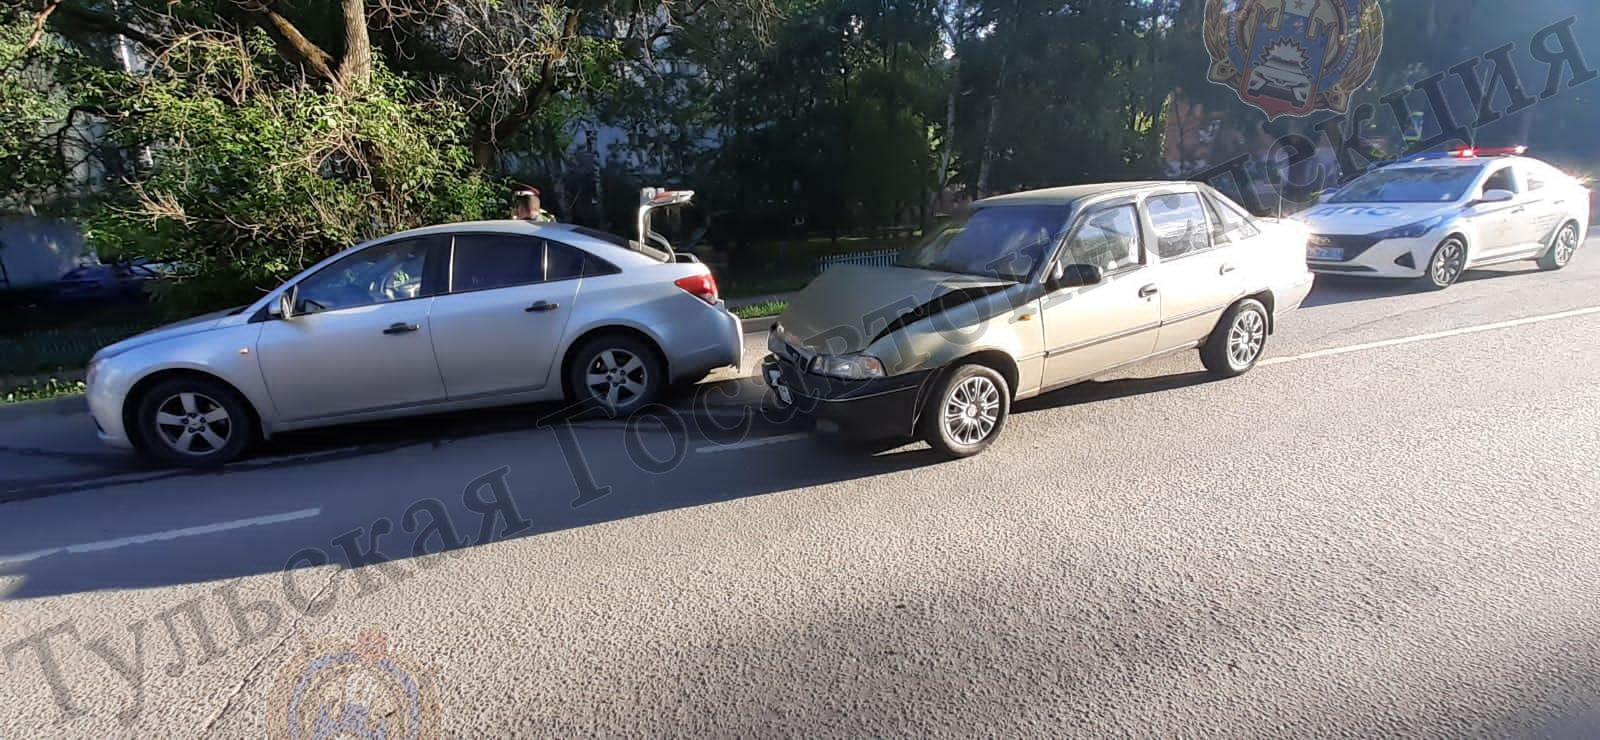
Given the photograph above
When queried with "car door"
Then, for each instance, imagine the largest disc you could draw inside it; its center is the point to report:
(1499, 225)
(1547, 205)
(358, 337)
(1090, 328)
(499, 326)
(1197, 275)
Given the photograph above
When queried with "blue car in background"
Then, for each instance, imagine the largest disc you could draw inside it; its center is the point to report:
(119, 282)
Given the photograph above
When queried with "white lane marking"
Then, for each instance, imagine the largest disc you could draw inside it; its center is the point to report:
(171, 534)
(1435, 335)
(754, 442)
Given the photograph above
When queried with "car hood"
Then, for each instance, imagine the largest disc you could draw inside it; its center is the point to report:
(191, 325)
(848, 307)
(1368, 218)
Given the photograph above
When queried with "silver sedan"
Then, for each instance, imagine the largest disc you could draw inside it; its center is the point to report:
(436, 319)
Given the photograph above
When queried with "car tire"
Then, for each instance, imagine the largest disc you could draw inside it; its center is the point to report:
(1238, 341)
(1445, 266)
(616, 374)
(967, 411)
(1562, 247)
(194, 422)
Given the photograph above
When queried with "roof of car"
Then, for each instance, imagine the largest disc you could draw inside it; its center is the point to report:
(1458, 161)
(606, 245)
(1068, 194)
(505, 225)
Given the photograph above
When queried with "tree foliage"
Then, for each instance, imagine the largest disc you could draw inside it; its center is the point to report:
(246, 138)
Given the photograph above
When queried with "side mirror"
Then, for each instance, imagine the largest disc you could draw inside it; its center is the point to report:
(1496, 196)
(1071, 276)
(286, 304)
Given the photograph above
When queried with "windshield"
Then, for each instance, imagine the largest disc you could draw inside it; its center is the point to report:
(1409, 185)
(1004, 242)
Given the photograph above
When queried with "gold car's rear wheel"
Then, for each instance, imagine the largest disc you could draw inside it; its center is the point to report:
(1237, 343)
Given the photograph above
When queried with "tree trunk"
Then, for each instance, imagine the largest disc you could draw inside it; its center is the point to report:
(986, 165)
(945, 149)
(355, 68)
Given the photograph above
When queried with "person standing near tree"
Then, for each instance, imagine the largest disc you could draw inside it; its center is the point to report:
(525, 205)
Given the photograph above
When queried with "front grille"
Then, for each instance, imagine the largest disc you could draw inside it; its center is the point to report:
(1337, 267)
(1353, 245)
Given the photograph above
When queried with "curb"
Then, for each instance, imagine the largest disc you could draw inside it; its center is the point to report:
(65, 406)
(752, 300)
(756, 326)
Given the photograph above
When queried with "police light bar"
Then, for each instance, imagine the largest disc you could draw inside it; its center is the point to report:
(1504, 151)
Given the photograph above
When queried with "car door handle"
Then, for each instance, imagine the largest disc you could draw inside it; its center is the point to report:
(400, 327)
(1225, 270)
(540, 306)
(1147, 291)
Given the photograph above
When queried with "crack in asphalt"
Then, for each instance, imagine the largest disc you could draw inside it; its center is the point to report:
(244, 679)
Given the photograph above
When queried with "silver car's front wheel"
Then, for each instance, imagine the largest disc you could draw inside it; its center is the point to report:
(616, 374)
(193, 424)
(194, 421)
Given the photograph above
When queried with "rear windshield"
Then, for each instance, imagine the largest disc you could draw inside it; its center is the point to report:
(618, 241)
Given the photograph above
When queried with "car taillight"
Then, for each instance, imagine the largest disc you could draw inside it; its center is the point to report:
(703, 287)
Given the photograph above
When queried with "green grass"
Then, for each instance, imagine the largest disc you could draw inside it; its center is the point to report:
(41, 390)
(761, 310)
(766, 286)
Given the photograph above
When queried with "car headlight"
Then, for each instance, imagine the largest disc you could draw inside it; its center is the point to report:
(94, 369)
(775, 342)
(849, 367)
(1412, 231)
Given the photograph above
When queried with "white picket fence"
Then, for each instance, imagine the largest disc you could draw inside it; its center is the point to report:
(879, 258)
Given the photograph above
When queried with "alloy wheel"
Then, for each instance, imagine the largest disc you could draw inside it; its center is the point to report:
(193, 424)
(616, 377)
(972, 410)
(1448, 262)
(1566, 245)
(1246, 338)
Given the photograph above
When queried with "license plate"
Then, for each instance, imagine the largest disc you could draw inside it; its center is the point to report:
(1331, 254)
(775, 379)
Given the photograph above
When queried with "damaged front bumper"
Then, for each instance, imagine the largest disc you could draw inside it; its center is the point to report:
(879, 408)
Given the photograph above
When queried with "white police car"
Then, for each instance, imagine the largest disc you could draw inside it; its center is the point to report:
(1435, 216)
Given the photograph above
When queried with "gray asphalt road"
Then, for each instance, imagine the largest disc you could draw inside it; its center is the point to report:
(1390, 527)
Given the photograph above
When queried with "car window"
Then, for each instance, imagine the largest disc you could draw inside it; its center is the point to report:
(1500, 180)
(1108, 239)
(486, 261)
(380, 274)
(1534, 176)
(562, 262)
(1180, 224)
(1228, 223)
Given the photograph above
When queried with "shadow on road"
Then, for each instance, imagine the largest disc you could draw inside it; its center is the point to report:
(367, 504)
(1335, 289)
